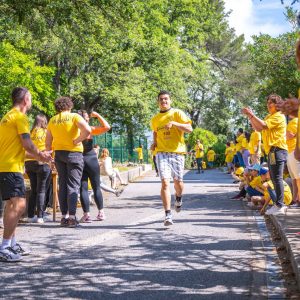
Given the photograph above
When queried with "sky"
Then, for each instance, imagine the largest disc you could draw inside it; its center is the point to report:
(251, 17)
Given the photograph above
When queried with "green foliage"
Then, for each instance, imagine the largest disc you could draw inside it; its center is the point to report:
(20, 69)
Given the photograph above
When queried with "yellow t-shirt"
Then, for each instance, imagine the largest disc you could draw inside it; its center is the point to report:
(211, 155)
(239, 141)
(199, 153)
(203, 165)
(245, 144)
(229, 154)
(275, 134)
(170, 140)
(255, 138)
(292, 128)
(256, 182)
(139, 152)
(38, 137)
(287, 194)
(12, 153)
(64, 130)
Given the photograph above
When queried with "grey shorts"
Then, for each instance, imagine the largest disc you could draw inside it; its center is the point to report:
(170, 165)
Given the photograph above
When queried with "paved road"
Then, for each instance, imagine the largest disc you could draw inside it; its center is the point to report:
(207, 254)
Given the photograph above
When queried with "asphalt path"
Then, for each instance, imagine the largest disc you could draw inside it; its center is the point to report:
(211, 252)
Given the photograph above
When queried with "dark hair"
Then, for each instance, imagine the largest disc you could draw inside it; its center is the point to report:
(163, 93)
(247, 136)
(228, 144)
(241, 130)
(274, 98)
(40, 121)
(18, 94)
(63, 103)
(82, 112)
(237, 165)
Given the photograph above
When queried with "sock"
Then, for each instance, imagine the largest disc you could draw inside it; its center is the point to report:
(178, 198)
(5, 243)
(13, 241)
(168, 212)
(72, 217)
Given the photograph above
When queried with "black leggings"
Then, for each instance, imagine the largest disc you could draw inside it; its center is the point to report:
(39, 180)
(91, 170)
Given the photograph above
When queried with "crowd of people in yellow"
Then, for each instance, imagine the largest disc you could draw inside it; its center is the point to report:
(265, 163)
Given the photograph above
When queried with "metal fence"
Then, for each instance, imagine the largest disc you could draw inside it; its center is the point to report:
(119, 147)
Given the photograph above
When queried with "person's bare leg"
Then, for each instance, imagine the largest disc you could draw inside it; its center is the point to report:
(178, 185)
(165, 194)
(14, 209)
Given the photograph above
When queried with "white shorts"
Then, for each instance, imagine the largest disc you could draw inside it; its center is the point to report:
(170, 165)
(293, 165)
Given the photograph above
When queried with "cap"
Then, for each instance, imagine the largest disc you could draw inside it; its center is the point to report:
(263, 171)
(255, 167)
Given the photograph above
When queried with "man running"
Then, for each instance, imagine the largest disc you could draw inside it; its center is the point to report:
(14, 138)
(168, 127)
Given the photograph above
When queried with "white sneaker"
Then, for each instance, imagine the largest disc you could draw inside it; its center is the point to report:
(274, 210)
(17, 248)
(168, 220)
(40, 220)
(32, 220)
(9, 255)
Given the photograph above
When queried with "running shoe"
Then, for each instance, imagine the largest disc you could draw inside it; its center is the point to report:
(85, 219)
(178, 203)
(101, 216)
(168, 220)
(275, 210)
(8, 255)
(64, 222)
(72, 223)
(32, 220)
(40, 220)
(17, 248)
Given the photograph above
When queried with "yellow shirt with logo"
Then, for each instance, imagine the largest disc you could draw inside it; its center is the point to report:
(275, 134)
(239, 141)
(64, 130)
(139, 152)
(12, 153)
(211, 155)
(254, 144)
(245, 144)
(292, 128)
(38, 137)
(170, 140)
(199, 153)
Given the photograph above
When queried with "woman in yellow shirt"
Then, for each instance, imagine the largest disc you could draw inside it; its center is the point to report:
(38, 172)
(273, 129)
(245, 148)
(65, 134)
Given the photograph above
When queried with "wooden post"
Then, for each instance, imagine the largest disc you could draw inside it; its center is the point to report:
(55, 197)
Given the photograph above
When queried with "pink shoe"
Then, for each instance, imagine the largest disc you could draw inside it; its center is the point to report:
(101, 216)
(85, 219)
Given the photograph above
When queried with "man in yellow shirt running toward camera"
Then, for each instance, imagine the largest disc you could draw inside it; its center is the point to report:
(168, 128)
(14, 140)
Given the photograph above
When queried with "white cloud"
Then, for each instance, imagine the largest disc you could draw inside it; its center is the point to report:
(244, 20)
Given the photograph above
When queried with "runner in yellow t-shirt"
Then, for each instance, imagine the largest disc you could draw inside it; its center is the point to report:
(14, 140)
(169, 126)
(229, 153)
(199, 154)
(273, 129)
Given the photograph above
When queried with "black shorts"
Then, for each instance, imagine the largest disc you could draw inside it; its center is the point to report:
(12, 185)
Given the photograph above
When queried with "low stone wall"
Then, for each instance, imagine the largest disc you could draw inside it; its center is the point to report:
(130, 175)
